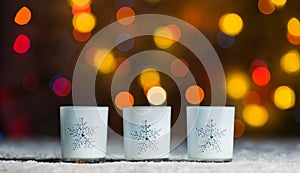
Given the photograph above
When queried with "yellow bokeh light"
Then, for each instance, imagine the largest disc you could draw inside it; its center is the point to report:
(255, 115)
(149, 76)
(279, 3)
(231, 24)
(290, 62)
(294, 27)
(105, 59)
(284, 97)
(84, 22)
(80, 3)
(163, 37)
(237, 86)
(156, 95)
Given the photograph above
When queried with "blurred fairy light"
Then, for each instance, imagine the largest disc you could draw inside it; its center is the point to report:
(124, 99)
(293, 27)
(156, 95)
(80, 2)
(295, 40)
(239, 128)
(125, 12)
(251, 97)
(23, 16)
(266, 7)
(105, 58)
(261, 76)
(125, 45)
(165, 36)
(255, 115)
(290, 62)
(231, 24)
(81, 9)
(257, 63)
(237, 85)
(81, 37)
(21, 44)
(126, 67)
(61, 86)
(194, 94)
(224, 40)
(149, 77)
(84, 22)
(284, 97)
(279, 3)
(179, 67)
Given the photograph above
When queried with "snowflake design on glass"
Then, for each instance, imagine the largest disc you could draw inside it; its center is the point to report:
(210, 137)
(82, 135)
(146, 137)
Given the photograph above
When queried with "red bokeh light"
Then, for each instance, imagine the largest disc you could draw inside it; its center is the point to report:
(62, 87)
(261, 76)
(22, 44)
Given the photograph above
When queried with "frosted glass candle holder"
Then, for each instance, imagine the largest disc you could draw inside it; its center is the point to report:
(210, 133)
(83, 133)
(147, 132)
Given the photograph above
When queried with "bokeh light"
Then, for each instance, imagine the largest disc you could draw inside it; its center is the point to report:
(293, 27)
(23, 16)
(258, 63)
(279, 3)
(255, 115)
(251, 97)
(107, 60)
(31, 81)
(21, 44)
(125, 45)
(125, 12)
(290, 62)
(295, 40)
(237, 86)
(156, 95)
(266, 7)
(81, 37)
(175, 30)
(84, 22)
(124, 99)
(239, 128)
(163, 37)
(284, 97)
(179, 67)
(261, 76)
(231, 24)
(81, 3)
(62, 87)
(81, 9)
(224, 40)
(53, 79)
(194, 94)
(126, 67)
(149, 76)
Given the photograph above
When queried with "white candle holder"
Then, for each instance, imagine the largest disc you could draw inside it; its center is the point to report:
(83, 133)
(147, 132)
(210, 133)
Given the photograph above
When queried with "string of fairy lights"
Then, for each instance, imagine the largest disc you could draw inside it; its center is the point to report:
(230, 25)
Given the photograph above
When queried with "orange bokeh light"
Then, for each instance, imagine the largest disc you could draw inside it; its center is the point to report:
(124, 99)
(125, 12)
(261, 76)
(239, 128)
(266, 7)
(194, 94)
(23, 16)
(81, 37)
(251, 98)
(295, 40)
(81, 9)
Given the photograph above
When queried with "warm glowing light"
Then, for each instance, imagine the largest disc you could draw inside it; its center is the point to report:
(295, 40)
(105, 59)
(163, 37)
(175, 30)
(62, 87)
(179, 67)
(149, 85)
(239, 128)
(266, 7)
(22, 44)
(224, 40)
(125, 12)
(125, 69)
(149, 76)
(81, 9)
(255, 115)
(81, 3)
(290, 62)
(251, 98)
(231, 24)
(279, 3)
(156, 95)
(81, 37)
(284, 97)
(125, 45)
(261, 76)
(124, 99)
(84, 22)
(31, 81)
(194, 94)
(23, 16)
(258, 63)
(237, 86)
(294, 27)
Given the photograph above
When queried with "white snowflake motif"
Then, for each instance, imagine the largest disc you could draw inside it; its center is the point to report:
(210, 137)
(82, 135)
(146, 137)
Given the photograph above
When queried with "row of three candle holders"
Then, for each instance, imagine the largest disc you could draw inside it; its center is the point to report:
(147, 132)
